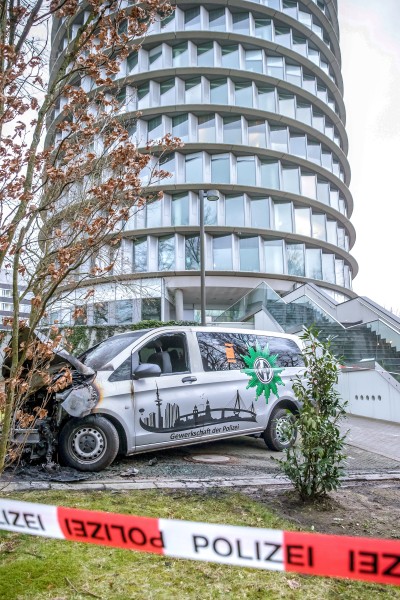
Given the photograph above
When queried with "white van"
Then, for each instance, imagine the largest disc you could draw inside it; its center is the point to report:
(173, 386)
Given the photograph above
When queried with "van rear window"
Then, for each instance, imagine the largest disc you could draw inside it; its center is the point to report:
(222, 351)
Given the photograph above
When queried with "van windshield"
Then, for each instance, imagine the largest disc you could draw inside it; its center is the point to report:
(100, 355)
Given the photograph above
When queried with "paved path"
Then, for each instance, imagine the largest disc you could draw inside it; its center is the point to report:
(379, 437)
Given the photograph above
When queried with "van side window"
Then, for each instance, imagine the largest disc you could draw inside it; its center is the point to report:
(168, 351)
(223, 351)
(289, 354)
(123, 372)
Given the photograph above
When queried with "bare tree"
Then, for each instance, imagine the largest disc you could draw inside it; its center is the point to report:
(65, 197)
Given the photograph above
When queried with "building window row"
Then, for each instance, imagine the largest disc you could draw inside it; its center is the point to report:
(214, 128)
(249, 171)
(241, 210)
(242, 22)
(244, 254)
(254, 25)
(234, 56)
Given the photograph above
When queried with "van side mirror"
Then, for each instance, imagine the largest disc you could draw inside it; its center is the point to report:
(146, 370)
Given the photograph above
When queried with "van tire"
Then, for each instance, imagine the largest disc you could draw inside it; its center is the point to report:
(274, 435)
(88, 444)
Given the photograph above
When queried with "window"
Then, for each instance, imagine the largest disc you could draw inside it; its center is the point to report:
(151, 309)
(318, 120)
(263, 29)
(180, 209)
(314, 152)
(270, 174)
(334, 197)
(123, 312)
(283, 216)
(132, 62)
(153, 214)
(293, 74)
(193, 91)
(214, 350)
(222, 253)
(318, 226)
(273, 254)
(206, 128)
(249, 257)
(297, 144)
(340, 232)
(124, 371)
(259, 208)
(168, 24)
(194, 167)
(286, 105)
(313, 54)
(244, 94)
(328, 267)
(266, 99)
(308, 187)
(300, 46)
(210, 212)
(143, 94)
(232, 127)
(100, 313)
(303, 112)
(246, 170)
(192, 18)
(180, 55)
(192, 253)
(230, 57)
(283, 37)
(326, 159)
(220, 168)
(140, 255)
(313, 263)
(167, 92)
(331, 232)
(234, 211)
(219, 91)
(216, 19)
(166, 253)
(205, 54)
(180, 127)
(254, 60)
(275, 67)
(256, 134)
(155, 57)
(291, 179)
(167, 163)
(295, 258)
(323, 191)
(302, 219)
(279, 138)
(154, 129)
(106, 351)
(310, 83)
(240, 22)
(339, 264)
(289, 7)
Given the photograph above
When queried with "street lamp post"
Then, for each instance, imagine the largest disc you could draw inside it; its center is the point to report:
(212, 196)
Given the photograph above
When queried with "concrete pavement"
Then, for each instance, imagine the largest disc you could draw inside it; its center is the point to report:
(379, 437)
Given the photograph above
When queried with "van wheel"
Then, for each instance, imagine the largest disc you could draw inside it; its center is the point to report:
(88, 444)
(281, 432)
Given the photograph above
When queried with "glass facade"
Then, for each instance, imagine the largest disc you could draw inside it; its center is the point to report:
(261, 115)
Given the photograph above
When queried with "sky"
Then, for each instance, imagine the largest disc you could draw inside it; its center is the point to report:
(370, 46)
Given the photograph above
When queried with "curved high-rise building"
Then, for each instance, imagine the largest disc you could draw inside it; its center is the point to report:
(255, 92)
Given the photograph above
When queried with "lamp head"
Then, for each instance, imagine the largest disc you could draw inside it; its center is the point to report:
(211, 195)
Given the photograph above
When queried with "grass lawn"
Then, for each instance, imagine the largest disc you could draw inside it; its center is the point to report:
(34, 567)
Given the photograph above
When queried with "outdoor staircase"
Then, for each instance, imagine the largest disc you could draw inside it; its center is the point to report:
(375, 340)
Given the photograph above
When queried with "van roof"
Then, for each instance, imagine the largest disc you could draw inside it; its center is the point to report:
(209, 329)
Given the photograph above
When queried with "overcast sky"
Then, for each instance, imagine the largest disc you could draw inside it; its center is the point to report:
(370, 44)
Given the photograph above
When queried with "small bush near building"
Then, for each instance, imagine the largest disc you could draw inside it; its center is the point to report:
(315, 465)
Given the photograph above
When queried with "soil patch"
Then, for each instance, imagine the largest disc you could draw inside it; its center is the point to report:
(365, 510)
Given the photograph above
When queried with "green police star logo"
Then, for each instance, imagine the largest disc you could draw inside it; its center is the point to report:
(262, 370)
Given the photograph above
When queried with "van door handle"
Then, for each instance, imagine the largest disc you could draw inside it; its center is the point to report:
(189, 379)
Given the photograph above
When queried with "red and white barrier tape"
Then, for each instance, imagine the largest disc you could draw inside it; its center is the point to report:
(366, 559)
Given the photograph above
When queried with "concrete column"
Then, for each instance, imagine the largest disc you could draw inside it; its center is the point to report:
(179, 305)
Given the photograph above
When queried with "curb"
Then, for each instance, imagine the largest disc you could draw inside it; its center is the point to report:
(188, 484)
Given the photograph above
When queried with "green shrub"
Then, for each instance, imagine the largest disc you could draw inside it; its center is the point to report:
(315, 465)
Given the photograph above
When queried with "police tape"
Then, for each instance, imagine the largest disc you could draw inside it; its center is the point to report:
(366, 559)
